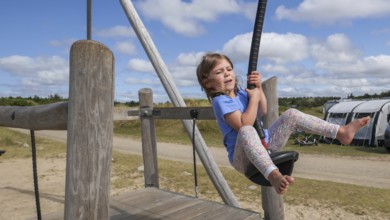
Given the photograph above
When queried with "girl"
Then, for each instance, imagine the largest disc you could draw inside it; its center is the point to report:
(236, 110)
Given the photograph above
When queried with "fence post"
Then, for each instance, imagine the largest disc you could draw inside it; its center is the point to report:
(90, 131)
(149, 149)
(272, 202)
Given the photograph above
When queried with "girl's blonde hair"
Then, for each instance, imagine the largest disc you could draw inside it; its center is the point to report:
(208, 62)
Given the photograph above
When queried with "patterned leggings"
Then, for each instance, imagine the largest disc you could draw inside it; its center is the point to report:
(249, 148)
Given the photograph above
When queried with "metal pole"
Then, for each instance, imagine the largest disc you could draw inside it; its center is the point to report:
(89, 19)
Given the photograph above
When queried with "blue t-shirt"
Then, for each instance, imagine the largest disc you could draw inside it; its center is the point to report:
(223, 105)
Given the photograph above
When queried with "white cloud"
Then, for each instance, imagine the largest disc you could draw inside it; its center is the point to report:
(144, 81)
(331, 67)
(373, 67)
(238, 47)
(332, 11)
(140, 65)
(336, 49)
(63, 43)
(249, 9)
(116, 31)
(125, 48)
(36, 76)
(184, 75)
(304, 67)
(279, 48)
(282, 48)
(49, 68)
(186, 17)
(21, 65)
(190, 58)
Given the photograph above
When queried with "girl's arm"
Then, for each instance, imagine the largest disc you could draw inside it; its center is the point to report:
(255, 78)
(236, 119)
(262, 111)
(257, 105)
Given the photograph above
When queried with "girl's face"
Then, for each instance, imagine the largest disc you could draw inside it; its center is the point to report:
(223, 78)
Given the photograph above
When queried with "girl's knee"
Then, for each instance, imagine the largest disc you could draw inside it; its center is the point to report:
(291, 113)
(247, 129)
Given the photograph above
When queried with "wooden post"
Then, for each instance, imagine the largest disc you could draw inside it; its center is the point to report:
(149, 150)
(162, 71)
(90, 131)
(272, 202)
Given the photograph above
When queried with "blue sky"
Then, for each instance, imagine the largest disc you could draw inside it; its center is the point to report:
(314, 47)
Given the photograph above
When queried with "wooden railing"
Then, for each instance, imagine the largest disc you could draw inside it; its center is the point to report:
(43, 117)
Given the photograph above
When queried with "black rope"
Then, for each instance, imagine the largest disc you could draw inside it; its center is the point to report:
(194, 116)
(35, 175)
(253, 58)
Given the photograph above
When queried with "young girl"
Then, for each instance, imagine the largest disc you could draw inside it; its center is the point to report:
(236, 110)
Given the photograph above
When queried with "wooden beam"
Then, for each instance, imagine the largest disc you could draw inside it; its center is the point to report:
(182, 113)
(162, 71)
(42, 117)
(204, 113)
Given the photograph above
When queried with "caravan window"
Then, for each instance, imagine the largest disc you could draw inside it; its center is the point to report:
(337, 115)
(364, 114)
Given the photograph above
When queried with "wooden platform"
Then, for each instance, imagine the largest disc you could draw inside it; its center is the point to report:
(153, 203)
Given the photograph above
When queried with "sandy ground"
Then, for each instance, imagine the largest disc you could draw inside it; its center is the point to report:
(17, 199)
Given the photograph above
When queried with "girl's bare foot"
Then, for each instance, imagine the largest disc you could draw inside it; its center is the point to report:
(347, 132)
(280, 182)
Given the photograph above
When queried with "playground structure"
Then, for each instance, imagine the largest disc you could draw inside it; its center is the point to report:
(88, 117)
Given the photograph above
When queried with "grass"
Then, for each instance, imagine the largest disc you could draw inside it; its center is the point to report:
(177, 177)
(18, 145)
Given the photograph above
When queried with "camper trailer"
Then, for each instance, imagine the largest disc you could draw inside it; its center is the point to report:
(374, 133)
(341, 112)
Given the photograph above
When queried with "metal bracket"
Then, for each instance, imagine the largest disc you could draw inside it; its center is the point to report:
(146, 112)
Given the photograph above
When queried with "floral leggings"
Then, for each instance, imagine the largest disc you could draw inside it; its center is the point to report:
(249, 148)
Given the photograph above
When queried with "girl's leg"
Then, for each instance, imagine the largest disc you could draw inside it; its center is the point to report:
(249, 149)
(292, 121)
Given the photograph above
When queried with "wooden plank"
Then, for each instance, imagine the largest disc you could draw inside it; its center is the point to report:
(195, 210)
(154, 203)
(132, 208)
(180, 203)
(177, 206)
(143, 197)
(159, 211)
